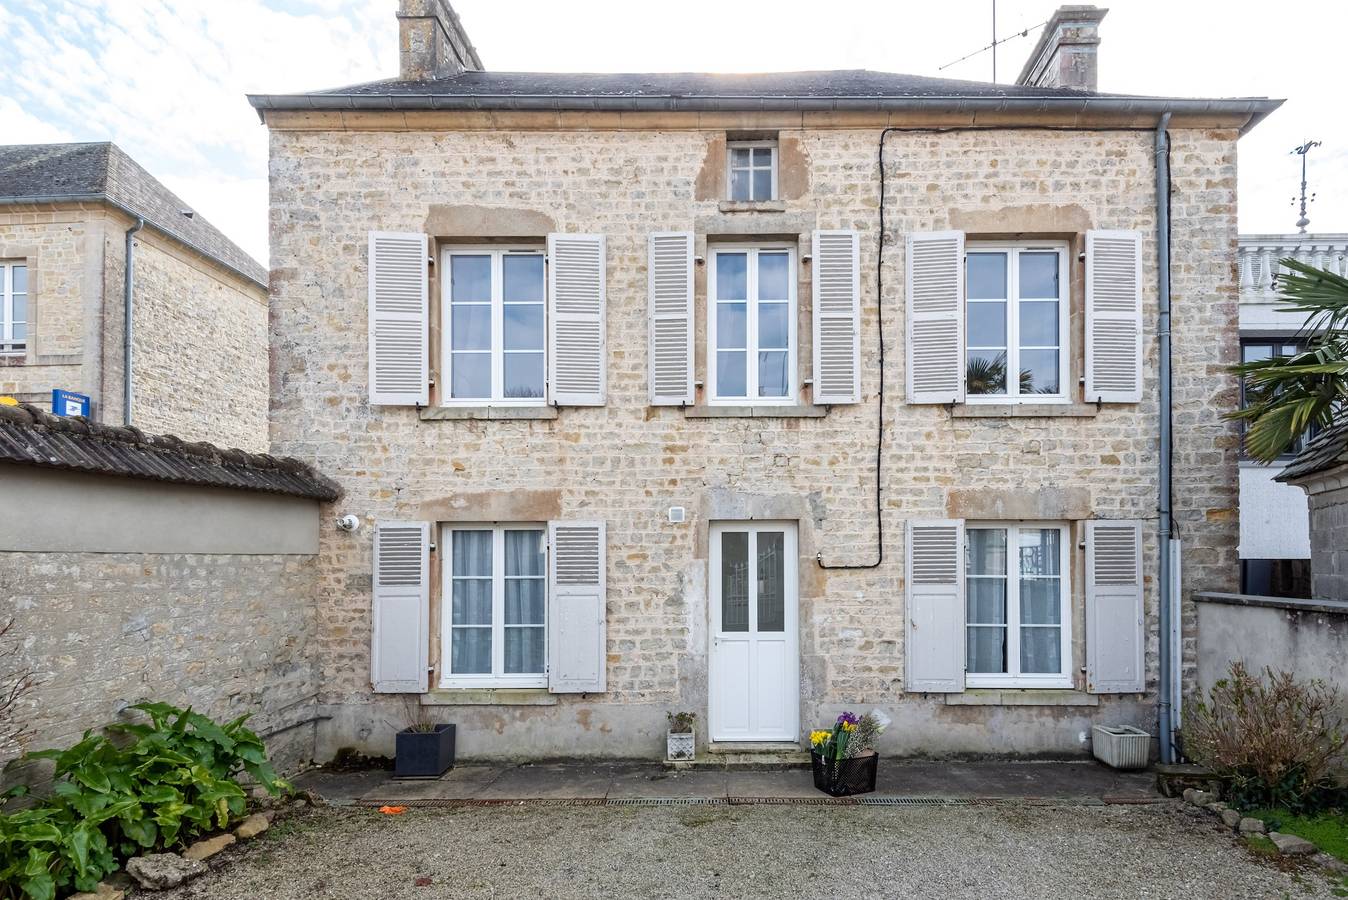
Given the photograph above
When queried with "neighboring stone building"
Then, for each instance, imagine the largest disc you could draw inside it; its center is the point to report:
(607, 365)
(199, 302)
(1275, 543)
(137, 567)
(1321, 470)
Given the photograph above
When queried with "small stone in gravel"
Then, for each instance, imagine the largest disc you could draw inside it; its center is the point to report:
(158, 871)
(1249, 825)
(1231, 818)
(1332, 863)
(1290, 844)
(203, 850)
(252, 826)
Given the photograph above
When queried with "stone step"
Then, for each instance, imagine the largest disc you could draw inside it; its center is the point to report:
(748, 756)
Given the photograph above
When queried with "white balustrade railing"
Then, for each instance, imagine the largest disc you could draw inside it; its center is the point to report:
(1260, 254)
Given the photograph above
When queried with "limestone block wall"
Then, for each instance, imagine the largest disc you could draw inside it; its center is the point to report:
(200, 353)
(62, 247)
(219, 615)
(626, 462)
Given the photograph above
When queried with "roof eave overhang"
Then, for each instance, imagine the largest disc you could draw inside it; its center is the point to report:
(1249, 110)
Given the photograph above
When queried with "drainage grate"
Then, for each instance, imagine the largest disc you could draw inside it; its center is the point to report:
(665, 801)
(908, 801)
(791, 801)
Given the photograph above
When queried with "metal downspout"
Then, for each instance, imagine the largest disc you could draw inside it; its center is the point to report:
(128, 309)
(1163, 524)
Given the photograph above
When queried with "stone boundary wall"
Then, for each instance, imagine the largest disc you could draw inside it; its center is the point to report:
(104, 623)
(1309, 638)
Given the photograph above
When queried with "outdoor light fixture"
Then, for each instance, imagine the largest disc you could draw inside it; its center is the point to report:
(348, 522)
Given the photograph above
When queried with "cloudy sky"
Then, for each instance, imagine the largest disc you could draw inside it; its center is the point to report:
(166, 79)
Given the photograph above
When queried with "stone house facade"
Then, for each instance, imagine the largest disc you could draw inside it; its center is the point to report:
(199, 303)
(656, 393)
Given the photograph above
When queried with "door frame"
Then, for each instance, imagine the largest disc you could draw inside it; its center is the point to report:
(790, 611)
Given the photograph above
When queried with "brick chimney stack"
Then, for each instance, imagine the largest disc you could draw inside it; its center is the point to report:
(1068, 50)
(431, 42)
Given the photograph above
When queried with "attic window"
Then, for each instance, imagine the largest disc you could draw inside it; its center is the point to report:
(753, 170)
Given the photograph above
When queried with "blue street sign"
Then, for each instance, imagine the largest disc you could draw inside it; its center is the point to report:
(69, 403)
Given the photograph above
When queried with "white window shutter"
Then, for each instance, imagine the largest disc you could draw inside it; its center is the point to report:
(576, 357)
(934, 573)
(1114, 316)
(1115, 638)
(837, 316)
(577, 647)
(398, 300)
(934, 288)
(401, 611)
(670, 278)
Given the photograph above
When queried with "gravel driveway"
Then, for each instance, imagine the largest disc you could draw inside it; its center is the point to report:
(749, 851)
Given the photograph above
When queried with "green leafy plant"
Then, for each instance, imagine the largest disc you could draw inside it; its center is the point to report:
(141, 787)
(681, 723)
(1286, 395)
(1277, 740)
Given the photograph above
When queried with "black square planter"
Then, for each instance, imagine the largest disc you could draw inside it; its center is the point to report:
(424, 754)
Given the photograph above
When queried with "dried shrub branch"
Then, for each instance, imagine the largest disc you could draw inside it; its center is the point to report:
(16, 680)
(1279, 740)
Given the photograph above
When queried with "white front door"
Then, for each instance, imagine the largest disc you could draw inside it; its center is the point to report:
(755, 668)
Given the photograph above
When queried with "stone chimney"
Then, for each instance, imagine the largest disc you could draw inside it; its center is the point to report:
(431, 42)
(1068, 50)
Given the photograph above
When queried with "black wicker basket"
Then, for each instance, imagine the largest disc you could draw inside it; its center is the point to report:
(845, 777)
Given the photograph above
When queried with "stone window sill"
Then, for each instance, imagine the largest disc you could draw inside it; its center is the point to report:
(734, 206)
(803, 411)
(1021, 697)
(1024, 411)
(490, 413)
(488, 697)
(13, 359)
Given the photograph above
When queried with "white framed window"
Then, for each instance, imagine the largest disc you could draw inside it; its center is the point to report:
(751, 325)
(13, 308)
(494, 618)
(752, 170)
(495, 326)
(1016, 322)
(1018, 605)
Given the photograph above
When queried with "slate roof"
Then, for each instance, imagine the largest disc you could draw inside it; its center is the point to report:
(1326, 450)
(30, 436)
(101, 171)
(842, 89)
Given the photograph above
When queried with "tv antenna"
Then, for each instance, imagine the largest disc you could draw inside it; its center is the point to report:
(996, 41)
(1303, 151)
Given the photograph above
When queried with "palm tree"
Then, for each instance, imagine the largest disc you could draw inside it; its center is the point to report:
(1286, 395)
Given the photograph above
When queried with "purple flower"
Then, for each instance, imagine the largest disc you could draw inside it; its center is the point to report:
(847, 717)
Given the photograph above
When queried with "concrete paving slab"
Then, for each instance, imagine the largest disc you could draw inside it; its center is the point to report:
(1084, 780)
(459, 783)
(666, 784)
(551, 782)
(793, 783)
(1054, 780)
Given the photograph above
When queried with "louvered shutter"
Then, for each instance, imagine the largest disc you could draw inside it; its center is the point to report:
(934, 572)
(576, 607)
(401, 610)
(935, 300)
(1114, 316)
(1115, 639)
(837, 317)
(670, 280)
(398, 299)
(576, 319)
